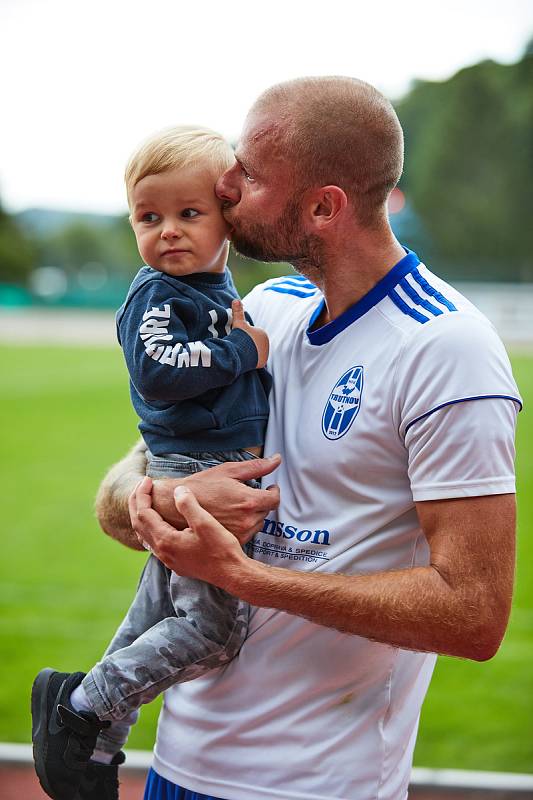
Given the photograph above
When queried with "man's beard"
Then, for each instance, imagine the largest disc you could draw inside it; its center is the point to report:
(283, 240)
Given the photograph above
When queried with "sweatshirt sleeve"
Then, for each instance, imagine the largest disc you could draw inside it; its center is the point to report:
(167, 358)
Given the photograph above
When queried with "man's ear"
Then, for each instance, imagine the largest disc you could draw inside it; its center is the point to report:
(325, 206)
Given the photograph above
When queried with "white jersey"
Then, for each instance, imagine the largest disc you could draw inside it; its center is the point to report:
(407, 396)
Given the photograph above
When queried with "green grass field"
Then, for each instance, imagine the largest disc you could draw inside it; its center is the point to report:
(64, 585)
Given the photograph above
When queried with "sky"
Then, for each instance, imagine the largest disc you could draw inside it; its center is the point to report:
(84, 82)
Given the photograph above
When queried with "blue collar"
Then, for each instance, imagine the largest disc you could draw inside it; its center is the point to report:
(327, 332)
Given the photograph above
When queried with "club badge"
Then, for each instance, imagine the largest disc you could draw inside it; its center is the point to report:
(343, 404)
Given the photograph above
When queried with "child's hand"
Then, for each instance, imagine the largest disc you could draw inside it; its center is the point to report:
(258, 335)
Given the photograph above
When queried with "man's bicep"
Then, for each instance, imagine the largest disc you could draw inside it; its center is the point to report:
(472, 547)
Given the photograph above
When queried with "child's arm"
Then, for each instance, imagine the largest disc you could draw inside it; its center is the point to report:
(167, 359)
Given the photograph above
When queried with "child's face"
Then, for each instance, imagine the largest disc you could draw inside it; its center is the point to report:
(178, 223)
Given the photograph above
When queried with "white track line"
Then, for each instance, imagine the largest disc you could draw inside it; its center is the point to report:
(141, 760)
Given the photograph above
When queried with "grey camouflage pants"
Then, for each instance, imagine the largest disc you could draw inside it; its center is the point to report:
(176, 629)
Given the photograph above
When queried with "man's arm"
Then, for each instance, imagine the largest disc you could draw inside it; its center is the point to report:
(458, 605)
(239, 508)
(111, 504)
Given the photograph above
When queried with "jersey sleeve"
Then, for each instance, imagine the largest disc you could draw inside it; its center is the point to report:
(456, 407)
(253, 302)
(165, 362)
(463, 450)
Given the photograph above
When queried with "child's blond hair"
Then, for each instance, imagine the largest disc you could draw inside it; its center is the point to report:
(183, 145)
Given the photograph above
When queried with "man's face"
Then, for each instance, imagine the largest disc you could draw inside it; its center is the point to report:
(262, 202)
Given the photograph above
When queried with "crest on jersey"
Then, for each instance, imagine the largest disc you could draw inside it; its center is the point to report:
(343, 404)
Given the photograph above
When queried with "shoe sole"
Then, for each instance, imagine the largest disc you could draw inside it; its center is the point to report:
(39, 730)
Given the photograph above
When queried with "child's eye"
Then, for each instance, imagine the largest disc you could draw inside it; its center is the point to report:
(150, 216)
(189, 213)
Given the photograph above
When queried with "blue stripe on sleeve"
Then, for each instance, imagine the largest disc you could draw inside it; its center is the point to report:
(420, 301)
(465, 400)
(294, 280)
(431, 291)
(285, 290)
(402, 305)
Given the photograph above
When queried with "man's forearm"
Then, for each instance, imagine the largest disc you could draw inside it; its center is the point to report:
(413, 609)
(458, 605)
(111, 503)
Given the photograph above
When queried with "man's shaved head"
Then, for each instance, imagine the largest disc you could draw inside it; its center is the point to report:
(339, 131)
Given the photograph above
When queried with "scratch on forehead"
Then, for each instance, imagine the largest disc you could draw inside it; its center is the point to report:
(273, 128)
(270, 135)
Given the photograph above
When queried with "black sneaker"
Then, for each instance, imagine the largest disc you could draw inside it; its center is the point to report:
(100, 781)
(63, 739)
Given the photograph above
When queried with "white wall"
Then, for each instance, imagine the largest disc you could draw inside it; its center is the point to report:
(509, 306)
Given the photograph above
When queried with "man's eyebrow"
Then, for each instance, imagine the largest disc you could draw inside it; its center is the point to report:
(244, 163)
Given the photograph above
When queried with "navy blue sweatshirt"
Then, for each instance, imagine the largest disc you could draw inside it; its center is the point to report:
(193, 380)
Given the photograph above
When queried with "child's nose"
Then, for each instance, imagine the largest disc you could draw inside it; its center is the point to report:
(171, 231)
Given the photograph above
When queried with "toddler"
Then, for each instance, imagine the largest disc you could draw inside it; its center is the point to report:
(198, 386)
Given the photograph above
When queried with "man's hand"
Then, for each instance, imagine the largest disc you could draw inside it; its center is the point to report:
(205, 549)
(220, 491)
(257, 334)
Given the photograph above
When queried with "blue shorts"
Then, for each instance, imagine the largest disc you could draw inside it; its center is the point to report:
(158, 788)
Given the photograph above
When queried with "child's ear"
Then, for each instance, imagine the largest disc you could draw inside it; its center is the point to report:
(130, 220)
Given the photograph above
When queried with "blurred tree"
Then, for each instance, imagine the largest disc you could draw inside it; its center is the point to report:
(109, 242)
(72, 246)
(16, 251)
(123, 256)
(469, 175)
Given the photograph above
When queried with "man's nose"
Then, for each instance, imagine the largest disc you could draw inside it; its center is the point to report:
(226, 189)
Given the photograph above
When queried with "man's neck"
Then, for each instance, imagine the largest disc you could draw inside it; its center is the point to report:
(353, 268)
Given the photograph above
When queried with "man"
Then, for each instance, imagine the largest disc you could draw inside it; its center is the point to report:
(393, 407)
